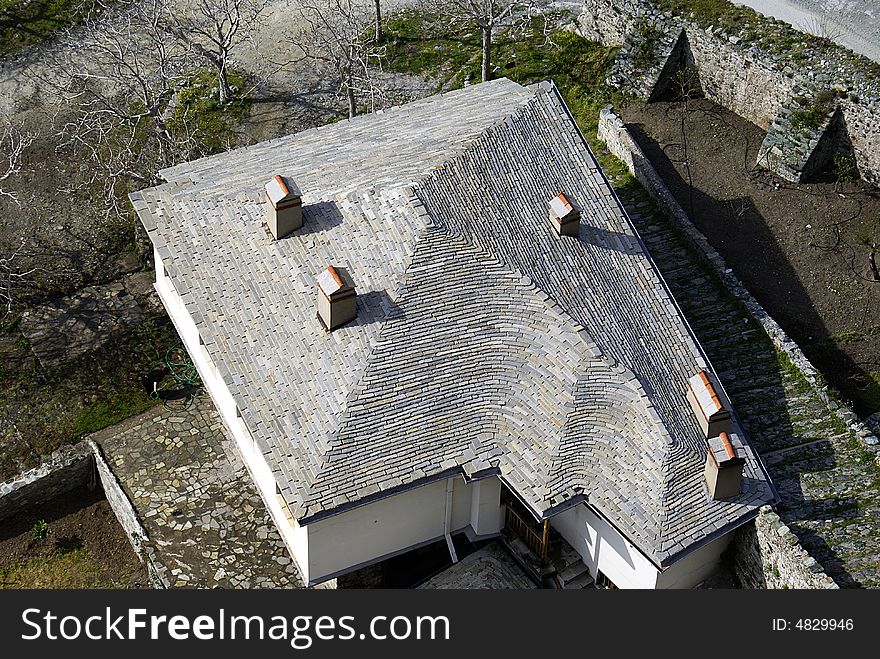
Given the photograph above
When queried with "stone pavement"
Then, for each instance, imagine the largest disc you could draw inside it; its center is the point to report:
(827, 480)
(488, 568)
(207, 524)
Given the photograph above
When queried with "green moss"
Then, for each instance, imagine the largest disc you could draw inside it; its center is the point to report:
(646, 46)
(24, 24)
(107, 411)
(576, 65)
(813, 112)
(415, 43)
(200, 110)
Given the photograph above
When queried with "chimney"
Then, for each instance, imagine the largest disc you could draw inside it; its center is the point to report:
(336, 298)
(724, 466)
(283, 206)
(564, 216)
(713, 418)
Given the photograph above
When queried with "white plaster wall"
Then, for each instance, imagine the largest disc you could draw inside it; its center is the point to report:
(487, 515)
(602, 548)
(696, 566)
(368, 533)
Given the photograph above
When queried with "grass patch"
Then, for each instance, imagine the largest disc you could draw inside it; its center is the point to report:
(48, 408)
(199, 110)
(813, 112)
(649, 37)
(107, 411)
(416, 43)
(576, 65)
(24, 24)
(64, 569)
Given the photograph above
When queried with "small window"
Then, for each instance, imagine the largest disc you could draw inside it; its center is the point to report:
(603, 581)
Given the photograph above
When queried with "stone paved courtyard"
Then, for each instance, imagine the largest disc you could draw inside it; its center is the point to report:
(207, 524)
(826, 478)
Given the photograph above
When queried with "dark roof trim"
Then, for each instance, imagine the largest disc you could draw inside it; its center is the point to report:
(384, 494)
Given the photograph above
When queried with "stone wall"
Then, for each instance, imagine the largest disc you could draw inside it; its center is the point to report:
(768, 555)
(65, 469)
(763, 70)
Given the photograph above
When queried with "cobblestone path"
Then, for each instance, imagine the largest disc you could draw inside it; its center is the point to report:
(207, 524)
(827, 480)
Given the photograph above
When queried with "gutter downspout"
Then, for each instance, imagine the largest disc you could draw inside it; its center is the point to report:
(447, 520)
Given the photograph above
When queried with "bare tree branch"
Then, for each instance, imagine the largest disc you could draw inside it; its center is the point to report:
(13, 275)
(13, 142)
(341, 35)
(489, 16)
(215, 28)
(119, 95)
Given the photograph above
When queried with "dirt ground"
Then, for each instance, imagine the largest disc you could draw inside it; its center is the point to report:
(801, 249)
(84, 546)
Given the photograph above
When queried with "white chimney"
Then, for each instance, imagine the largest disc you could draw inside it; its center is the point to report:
(711, 414)
(724, 466)
(336, 297)
(564, 216)
(283, 206)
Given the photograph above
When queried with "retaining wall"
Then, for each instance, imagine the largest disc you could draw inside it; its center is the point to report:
(764, 71)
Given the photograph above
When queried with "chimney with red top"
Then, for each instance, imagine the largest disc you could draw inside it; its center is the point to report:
(283, 206)
(337, 300)
(564, 217)
(724, 466)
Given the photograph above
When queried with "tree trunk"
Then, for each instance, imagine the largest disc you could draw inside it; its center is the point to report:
(378, 21)
(223, 83)
(352, 104)
(487, 51)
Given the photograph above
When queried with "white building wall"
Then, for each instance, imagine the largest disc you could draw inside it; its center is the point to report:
(696, 566)
(487, 515)
(368, 533)
(602, 548)
(295, 537)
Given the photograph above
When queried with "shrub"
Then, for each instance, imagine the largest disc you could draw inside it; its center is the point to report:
(40, 530)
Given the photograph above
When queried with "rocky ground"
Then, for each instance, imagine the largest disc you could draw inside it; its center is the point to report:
(207, 525)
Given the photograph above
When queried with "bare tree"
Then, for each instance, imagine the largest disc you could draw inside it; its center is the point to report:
(215, 28)
(340, 34)
(14, 139)
(14, 274)
(119, 94)
(489, 16)
(13, 142)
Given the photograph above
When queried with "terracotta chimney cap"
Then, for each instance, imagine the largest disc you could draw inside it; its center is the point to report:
(725, 450)
(335, 282)
(706, 396)
(280, 190)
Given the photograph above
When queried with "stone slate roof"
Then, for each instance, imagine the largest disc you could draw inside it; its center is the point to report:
(484, 342)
